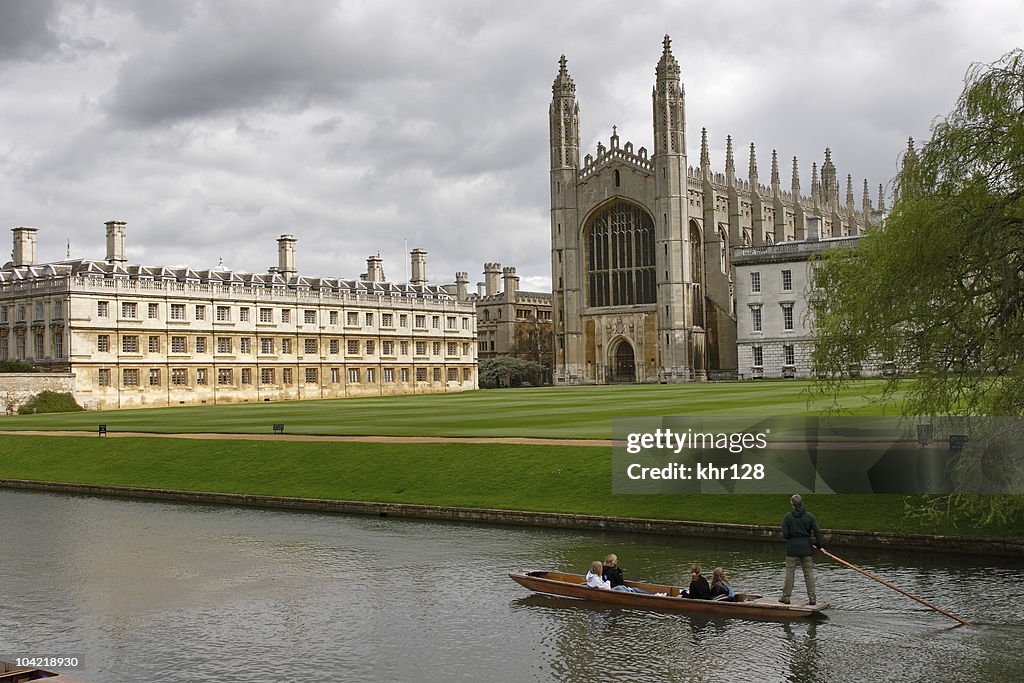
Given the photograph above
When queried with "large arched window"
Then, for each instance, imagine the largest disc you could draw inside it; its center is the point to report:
(697, 273)
(620, 256)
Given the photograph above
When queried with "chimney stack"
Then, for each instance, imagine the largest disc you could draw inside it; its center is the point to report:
(419, 267)
(115, 241)
(286, 255)
(462, 286)
(481, 289)
(24, 253)
(374, 269)
(492, 278)
(813, 228)
(511, 282)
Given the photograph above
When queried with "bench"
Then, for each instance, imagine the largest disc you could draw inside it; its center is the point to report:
(279, 429)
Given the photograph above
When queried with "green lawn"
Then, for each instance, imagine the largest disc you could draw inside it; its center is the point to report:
(562, 412)
(535, 478)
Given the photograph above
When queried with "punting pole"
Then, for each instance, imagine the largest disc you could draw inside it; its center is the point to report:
(898, 590)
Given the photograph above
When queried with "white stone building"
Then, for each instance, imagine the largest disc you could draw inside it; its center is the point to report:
(137, 335)
(774, 322)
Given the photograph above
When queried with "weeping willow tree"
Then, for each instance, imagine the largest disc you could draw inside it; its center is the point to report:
(936, 292)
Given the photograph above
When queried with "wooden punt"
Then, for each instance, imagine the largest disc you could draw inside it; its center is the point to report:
(9, 673)
(746, 605)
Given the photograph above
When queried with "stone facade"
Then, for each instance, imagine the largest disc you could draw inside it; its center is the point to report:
(153, 336)
(641, 243)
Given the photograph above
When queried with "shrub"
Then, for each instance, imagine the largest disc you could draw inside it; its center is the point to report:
(17, 366)
(50, 402)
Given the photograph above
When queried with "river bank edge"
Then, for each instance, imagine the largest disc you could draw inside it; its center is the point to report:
(558, 520)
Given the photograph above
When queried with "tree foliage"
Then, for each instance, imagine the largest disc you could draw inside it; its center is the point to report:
(938, 289)
(508, 371)
(17, 366)
(50, 402)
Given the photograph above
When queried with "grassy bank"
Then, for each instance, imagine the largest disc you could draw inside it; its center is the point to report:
(555, 412)
(535, 478)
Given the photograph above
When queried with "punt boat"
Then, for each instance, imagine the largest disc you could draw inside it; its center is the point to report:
(10, 673)
(663, 597)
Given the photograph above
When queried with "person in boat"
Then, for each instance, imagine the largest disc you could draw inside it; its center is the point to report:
(797, 528)
(594, 577)
(613, 575)
(699, 587)
(720, 586)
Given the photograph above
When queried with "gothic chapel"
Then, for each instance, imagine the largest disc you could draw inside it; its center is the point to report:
(640, 243)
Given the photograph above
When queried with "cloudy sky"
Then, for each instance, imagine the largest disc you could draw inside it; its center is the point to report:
(212, 127)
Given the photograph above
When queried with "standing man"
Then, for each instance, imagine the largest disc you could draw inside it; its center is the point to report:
(797, 527)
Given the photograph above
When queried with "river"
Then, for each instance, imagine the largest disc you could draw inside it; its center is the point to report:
(146, 591)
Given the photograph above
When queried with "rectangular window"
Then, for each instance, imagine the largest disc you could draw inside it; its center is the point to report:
(387, 319)
(200, 312)
(787, 316)
(243, 314)
(421, 348)
(437, 374)
(224, 376)
(286, 315)
(154, 310)
(246, 376)
(387, 348)
(154, 377)
(266, 315)
(309, 317)
(3, 314)
(266, 346)
(451, 322)
(129, 344)
(39, 344)
(403, 374)
(453, 349)
(369, 319)
(223, 313)
(421, 374)
(790, 355)
(154, 344)
(200, 344)
(370, 347)
(129, 309)
(467, 374)
(286, 375)
(103, 343)
(103, 377)
(388, 375)
(286, 346)
(404, 347)
(310, 375)
(352, 347)
(309, 346)
(201, 376)
(435, 322)
(435, 348)
(177, 311)
(755, 282)
(371, 375)
(335, 375)
(58, 344)
(465, 323)
(465, 348)
(453, 374)
(758, 356)
(39, 310)
(755, 318)
(353, 375)
(21, 311)
(179, 345)
(266, 375)
(787, 281)
(223, 344)
(403, 320)
(421, 322)
(130, 377)
(334, 317)
(245, 345)
(352, 319)
(333, 346)
(179, 376)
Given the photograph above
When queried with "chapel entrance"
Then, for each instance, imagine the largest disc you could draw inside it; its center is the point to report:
(623, 363)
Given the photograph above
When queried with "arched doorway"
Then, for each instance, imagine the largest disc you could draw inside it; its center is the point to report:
(623, 363)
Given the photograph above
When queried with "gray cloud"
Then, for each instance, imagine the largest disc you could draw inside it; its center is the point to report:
(26, 29)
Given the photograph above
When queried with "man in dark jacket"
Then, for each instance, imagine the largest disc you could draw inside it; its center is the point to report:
(797, 527)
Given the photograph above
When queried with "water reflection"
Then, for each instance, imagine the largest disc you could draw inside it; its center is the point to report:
(149, 591)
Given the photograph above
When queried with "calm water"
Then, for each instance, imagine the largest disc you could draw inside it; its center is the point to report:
(149, 592)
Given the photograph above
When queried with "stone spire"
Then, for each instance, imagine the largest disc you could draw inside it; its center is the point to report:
(849, 193)
(775, 173)
(705, 156)
(795, 182)
(669, 105)
(730, 163)
(815, 184)
(865, 202)
(564, 120)
(668, 67)
(829, 182)
(752, 169)
(563, 85)
(881, 198)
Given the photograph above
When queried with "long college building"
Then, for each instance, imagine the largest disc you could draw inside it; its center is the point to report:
(154, 336)
(642, 242)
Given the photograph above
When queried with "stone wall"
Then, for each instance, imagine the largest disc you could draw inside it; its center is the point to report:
(18, 387)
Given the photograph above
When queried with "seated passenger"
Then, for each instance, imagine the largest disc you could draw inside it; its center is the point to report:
(699, 588)
(720, 585)
(594, 578)
(613, 575)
